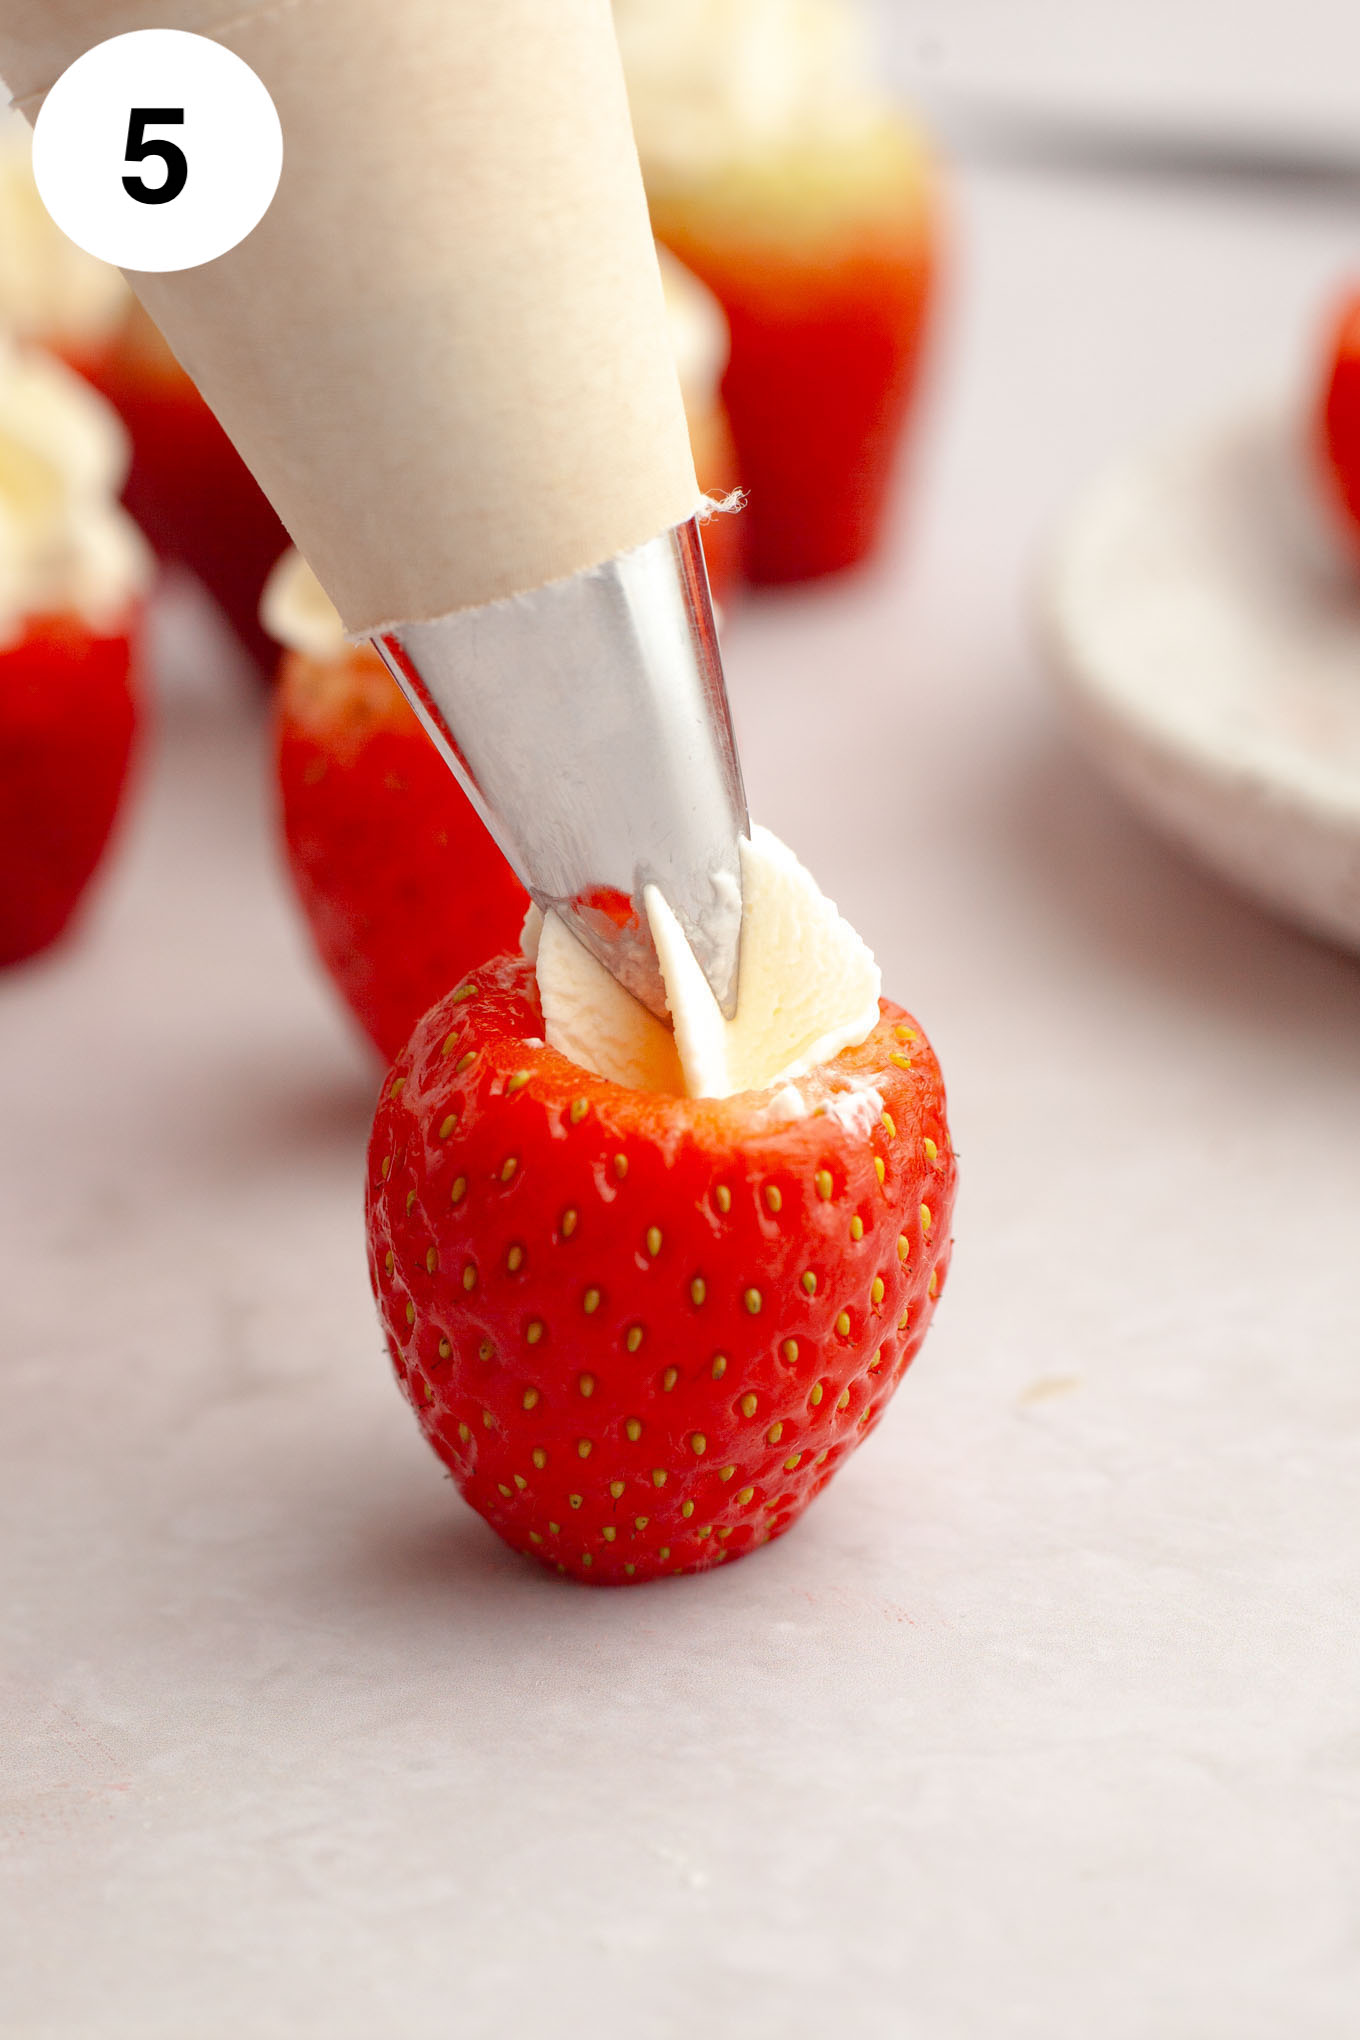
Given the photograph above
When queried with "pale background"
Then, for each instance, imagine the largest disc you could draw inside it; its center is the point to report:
(1281, 76)
(1046, 1722)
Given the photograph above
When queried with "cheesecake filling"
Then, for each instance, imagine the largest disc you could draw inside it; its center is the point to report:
(808, 987)
(712, 82)
(699, 336)
(298, 613)
(66, 546)
(50, 290)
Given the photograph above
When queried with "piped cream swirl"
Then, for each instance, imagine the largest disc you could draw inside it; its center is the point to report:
(50, 290)
(66, 546)
(712, 82)
(808, 988)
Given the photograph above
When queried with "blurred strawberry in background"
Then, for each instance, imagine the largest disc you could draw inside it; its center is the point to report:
(1340, 414)
(73, 570)
(187, 487)
(401, 885)
(778, 175)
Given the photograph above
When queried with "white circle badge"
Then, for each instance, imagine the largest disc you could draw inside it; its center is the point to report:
(157, 150)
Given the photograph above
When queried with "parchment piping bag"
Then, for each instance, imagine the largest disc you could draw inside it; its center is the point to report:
(443, 353)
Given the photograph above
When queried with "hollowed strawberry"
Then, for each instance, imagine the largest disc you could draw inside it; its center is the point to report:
(401, 884)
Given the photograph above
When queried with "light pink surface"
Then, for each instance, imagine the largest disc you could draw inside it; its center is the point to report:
(1044, 1725)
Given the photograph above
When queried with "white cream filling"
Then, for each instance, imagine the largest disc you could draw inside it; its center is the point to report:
(49, 289)
(65, 544)
(712, 81)
(296, 610)
(698, 330)
(808, 988)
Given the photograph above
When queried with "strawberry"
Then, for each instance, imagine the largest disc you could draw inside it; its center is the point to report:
(1340, 413)
(643, 1331)
(400, 882)
(822, 259)
(67, 715)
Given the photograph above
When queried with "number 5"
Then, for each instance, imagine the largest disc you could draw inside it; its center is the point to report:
(139, 148)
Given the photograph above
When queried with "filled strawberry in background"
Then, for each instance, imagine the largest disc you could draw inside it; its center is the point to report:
(782, 175)
(401, 887)
(186, 485)
(530, 1511)
(73, 575)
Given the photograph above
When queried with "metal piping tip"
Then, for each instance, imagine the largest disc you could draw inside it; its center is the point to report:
(587, 721)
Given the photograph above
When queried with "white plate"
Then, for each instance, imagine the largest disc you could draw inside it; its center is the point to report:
(1204, 626)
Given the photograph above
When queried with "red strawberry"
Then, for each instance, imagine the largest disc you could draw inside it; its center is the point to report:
(401, 884)
(1340, 419)
(642, 1332)
(67, 715)
(822, 260)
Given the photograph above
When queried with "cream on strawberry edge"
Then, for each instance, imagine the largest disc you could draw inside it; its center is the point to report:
(66, 546)
(698, 331)
(297, 612)
(50, 290)
(808, 987)
(711, 82)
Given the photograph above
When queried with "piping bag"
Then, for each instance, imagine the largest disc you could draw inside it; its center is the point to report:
(443, 354)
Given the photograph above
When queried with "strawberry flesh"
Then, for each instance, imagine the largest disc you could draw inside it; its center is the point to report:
(67, 717)
(1340, 417)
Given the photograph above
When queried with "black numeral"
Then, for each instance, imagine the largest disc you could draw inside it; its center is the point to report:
(139, 148)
